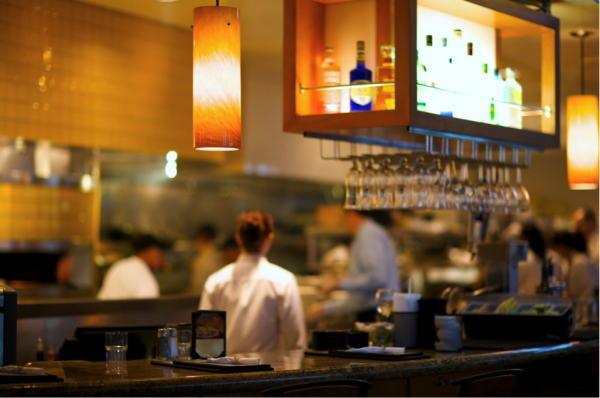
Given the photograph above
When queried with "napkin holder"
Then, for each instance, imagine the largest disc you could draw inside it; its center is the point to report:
(209, 334)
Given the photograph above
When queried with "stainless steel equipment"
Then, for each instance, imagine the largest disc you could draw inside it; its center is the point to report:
(500, 262)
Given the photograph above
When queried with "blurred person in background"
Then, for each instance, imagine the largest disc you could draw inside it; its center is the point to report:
(530, 271)
(372, 267)
(230, 250)
(586, 225)
(583, 275)
(132, 277)
(208, 261)
(262, 300)
(558, 250)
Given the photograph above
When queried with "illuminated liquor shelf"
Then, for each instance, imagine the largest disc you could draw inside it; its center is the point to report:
(526, 110)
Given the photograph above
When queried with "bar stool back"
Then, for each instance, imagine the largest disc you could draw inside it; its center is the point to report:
(329, 388)
(494, 384)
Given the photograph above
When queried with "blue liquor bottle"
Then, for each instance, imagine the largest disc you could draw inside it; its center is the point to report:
(361, 99)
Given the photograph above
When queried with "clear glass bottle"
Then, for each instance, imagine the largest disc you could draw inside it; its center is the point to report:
(385, 185)
(353, 186)
(500, 99)
(368, 187)
(385, 97)
(330, 76)
(421, 90)
(402, 188)
(361, 98)
(515, 96)
(418, 184)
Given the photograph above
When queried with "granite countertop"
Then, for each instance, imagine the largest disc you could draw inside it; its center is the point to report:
(145, 379)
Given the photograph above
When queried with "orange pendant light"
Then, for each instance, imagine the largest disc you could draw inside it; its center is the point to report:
(582, 141)
(217, 79)
(582, 134)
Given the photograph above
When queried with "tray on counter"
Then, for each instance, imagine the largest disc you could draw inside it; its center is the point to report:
(198, 365)
(407, 356)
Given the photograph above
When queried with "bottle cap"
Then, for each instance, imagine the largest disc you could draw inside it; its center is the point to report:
(444, 42)
(469, 48)
(360, 45)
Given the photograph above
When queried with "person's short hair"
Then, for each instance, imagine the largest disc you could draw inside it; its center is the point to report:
(229, 243)
(146, 241)
(533, 236)
(561, 238)
(253, 228)
(207, 231)
(587, 215)
(578, 242)
(381, 217)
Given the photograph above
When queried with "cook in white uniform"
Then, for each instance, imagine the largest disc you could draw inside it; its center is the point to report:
(132, 278)
(262, 301)
(583, 276)
(585, 222)
(372, 266)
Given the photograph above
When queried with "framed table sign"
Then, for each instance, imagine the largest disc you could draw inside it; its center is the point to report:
(209, 334)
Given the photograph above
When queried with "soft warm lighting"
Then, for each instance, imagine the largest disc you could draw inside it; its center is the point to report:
(86, 183)
(171, 156)
(582, 141)
(217, 79)
(171, 169)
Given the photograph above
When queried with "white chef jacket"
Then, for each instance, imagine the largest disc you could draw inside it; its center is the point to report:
(262, 301)
(372, 266)
(129, 278)
(583, 278)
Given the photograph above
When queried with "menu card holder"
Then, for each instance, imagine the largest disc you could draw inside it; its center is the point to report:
(209, 334)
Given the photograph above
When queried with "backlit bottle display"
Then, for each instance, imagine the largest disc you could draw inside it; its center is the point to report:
(330, 76)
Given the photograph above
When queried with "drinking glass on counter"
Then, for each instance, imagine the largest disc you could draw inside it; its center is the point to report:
(184, 344)
(116, 351)
(385, 304)
(166, 344)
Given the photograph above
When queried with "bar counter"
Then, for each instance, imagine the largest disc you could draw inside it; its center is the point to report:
(408, 378)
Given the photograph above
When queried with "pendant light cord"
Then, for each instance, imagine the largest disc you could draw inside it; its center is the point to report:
(582, 35)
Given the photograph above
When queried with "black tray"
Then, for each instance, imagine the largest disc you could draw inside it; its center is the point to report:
(199, 364)
(26, 379)
(367, 355)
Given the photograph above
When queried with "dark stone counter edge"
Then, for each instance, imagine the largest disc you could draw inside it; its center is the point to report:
(220, 383)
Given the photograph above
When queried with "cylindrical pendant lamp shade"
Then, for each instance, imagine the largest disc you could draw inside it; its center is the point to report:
(582, 141)
(217, 79)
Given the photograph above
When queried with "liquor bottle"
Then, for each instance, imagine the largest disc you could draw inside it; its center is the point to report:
(361, 98)
(470, 102)
(331, 100)
(442, 78)
(421, 82)
(515, 96)
(500, 99)
(487, 108)
(544, 286)
(385, 98)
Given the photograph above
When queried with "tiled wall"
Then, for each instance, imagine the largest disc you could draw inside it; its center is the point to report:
(84, 76)
(37, 212)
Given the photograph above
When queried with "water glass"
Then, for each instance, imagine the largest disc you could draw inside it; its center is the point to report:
(184, 344)
(116, 351)
(166, 344)
(385, 304)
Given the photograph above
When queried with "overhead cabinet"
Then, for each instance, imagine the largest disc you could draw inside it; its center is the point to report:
(460, 68)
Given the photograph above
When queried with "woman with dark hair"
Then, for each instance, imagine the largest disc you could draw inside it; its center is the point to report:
(530, 271)
(262, 300)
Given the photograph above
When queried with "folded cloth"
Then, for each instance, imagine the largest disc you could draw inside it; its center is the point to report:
(379, 350)
(236, 360)
(23, 370)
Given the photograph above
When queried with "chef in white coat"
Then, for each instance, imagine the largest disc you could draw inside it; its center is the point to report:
(262, 300)
(585, 222)
(132, 277)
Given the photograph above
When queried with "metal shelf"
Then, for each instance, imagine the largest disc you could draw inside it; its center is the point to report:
(525, 109)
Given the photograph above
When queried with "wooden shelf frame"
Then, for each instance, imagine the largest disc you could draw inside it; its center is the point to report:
(304, 34)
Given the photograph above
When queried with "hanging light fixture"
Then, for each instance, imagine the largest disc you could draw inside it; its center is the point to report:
(582, 134)
(217, 79)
